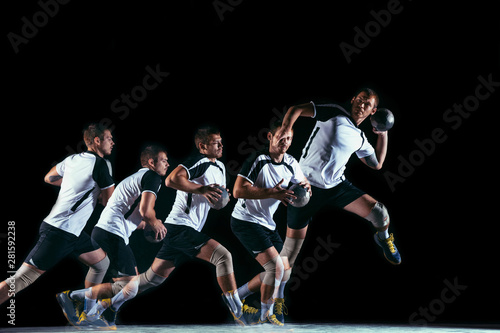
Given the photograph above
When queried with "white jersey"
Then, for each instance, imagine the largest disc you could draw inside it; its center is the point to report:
(121, 215)
(84, 176)
(192, 209)
(261, 171)
(332, 142)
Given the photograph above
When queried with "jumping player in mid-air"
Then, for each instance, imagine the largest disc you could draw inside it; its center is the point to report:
(335, 137)
(131, 206)
(194, 181)
(83, 178)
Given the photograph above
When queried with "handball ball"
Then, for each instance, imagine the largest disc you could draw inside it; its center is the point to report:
(382, 120)
(302, 195)
(149, 234)
(223, 200)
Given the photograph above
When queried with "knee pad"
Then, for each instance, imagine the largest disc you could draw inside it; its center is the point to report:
(97, 271)
(131, 289)
(149, 279)
(291, 249)
(274, 270)
(379, 216)
(222, 260)
(24, 276)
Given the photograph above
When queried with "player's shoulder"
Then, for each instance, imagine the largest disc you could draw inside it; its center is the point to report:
(289, 159)
(326, 110)
(258, 156)
(194, 159)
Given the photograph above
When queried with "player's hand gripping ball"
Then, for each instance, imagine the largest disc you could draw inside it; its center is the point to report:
(382, 120)
(149, 234)
(302, 195)
(223, 200)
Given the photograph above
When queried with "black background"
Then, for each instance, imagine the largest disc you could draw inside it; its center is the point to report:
(238, 72)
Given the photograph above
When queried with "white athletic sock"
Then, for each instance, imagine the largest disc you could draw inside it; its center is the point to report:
(89, 302)
(281, 289)
(383, 234)
(78, 295)
(264, 308)
(95, 311)
(244, 292)
(234, 302)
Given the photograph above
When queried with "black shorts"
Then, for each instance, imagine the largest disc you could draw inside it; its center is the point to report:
(54, 244)
(181, 243)
(254, 237)
(120, 254)
(337, 197)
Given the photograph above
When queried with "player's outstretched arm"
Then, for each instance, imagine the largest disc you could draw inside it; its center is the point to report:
(178, 179)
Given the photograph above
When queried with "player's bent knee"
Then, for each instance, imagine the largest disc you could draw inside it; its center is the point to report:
(97, 271)
(149, 279)
(24, 276)
(222, 260)
(274, 270)
(379, 216)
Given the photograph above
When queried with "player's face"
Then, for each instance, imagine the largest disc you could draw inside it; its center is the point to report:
(214, 146)
(161, 165)
(280, 146)
(362, 106)
(106, 144)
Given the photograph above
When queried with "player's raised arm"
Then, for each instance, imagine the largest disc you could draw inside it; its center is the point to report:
(291, 116)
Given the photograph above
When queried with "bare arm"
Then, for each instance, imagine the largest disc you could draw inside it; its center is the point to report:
(245, 190)
(105, 195)
(148, 213)
(178, 179)
(376, 161)
(291, 116)
(52, 177)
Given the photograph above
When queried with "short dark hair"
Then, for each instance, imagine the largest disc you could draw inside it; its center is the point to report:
(92, 131)
(203, 135)
(151, 151)
(370, 92)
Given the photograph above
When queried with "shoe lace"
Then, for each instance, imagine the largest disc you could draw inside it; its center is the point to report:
(249, 309)
(273, 320)
(280, 307)
(390, 243)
